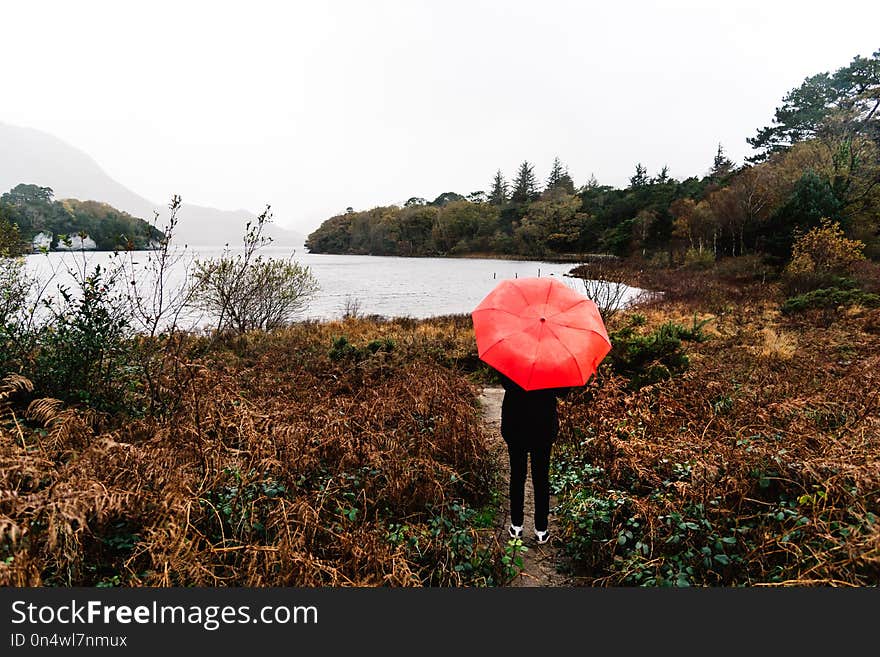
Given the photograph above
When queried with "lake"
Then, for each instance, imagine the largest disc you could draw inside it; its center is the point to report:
(380, 285)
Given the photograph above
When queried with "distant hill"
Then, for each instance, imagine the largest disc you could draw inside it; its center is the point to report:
(35, 157)
(44, 222)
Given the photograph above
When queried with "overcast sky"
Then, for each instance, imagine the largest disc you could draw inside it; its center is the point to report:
(316, 106)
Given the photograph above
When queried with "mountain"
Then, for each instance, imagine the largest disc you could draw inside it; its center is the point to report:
(35, 157)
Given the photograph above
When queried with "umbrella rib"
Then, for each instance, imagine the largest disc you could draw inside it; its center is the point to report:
(581, 328)
(565, 346)
(576, 303)
(501, 310)
(495, 344)
(535, 355)
(523, 294)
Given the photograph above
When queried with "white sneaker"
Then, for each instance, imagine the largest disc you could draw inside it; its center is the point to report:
(543, 536)
(514, 532)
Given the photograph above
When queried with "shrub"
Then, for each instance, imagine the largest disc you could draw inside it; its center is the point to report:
(647, 359)
(606, 284)
(829, 299)
(694, 259)
(82, 355)
(820, 255)
(14, 286)
(10, 238)
(744, 269)
(246, 292)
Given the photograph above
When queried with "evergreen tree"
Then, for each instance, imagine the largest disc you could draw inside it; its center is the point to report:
(525, 185)
(722, 166)
(811, 200)
(556, 173)
(846, 101)
(662, 177)
(498, 193)
(559, 178)
(640, 179)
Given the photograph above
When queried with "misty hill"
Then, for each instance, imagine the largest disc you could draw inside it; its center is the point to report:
(35, 157)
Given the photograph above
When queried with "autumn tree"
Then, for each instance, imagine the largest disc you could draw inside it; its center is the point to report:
(463, 227)
(695, 222)
(820, 255)
(10, 236)
(552, 223)
(642, 224)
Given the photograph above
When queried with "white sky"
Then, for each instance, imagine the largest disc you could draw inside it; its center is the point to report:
(315, 106)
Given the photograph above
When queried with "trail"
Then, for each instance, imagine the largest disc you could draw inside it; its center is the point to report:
(539, 563)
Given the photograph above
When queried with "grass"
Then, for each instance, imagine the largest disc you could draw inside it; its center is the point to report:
(756, 466)
(278, 467)
(353, 453)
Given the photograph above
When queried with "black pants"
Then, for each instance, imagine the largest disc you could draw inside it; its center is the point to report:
(519, 455)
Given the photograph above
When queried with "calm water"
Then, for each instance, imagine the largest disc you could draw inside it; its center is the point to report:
(388, 286)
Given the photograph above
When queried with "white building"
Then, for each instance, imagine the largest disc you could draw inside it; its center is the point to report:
(77, 243)
(42, 241)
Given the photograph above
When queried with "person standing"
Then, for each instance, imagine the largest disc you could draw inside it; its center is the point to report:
(529, 426)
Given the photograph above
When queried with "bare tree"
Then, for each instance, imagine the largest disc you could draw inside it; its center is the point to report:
(352, 308)
(247, 292)
(606, 285)
(159, 286)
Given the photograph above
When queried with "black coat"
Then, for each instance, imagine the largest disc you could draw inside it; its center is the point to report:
(529, 416)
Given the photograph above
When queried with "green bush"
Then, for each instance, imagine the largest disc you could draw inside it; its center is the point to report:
(659, 355)
(829, 299)
(694, 259)
(343, 350)
(83, 354)
(14, 288)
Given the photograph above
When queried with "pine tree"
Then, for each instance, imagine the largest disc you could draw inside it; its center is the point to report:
(722, 166)
(559, 178)
(525, 186)
(556, 173)
(640, 179)
(498, 193)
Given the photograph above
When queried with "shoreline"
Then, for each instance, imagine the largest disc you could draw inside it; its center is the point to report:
(562, 258)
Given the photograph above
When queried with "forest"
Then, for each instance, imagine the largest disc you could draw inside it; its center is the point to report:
(818, 159)
(27, 210)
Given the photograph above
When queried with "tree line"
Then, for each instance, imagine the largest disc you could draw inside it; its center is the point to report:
(819, 158)
(28, 210)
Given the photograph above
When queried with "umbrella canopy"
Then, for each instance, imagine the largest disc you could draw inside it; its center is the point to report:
(540, 333)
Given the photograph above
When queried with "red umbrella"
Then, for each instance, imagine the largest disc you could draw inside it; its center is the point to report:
(540, 333)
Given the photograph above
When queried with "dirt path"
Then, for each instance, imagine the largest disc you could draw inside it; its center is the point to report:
(539, 563)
